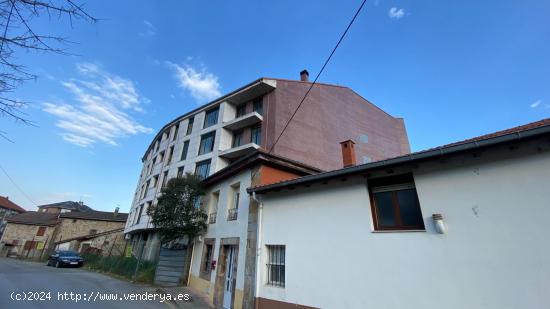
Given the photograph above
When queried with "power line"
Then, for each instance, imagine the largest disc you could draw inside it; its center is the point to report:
(319, 74)
(15, 184)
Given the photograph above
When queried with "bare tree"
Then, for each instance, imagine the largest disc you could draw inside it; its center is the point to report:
(17, 34)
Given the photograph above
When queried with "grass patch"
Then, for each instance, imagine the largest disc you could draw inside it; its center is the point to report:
(121, 266)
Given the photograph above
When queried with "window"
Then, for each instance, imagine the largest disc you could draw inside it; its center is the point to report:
(146, 188)
(170, 153)
(213, 207)
(139, 213)
(211, 117)
(241, 110)
(276, 265)
(190, 126)
(184, 150)
(256, 134)
(258, 106)
(233, 208)
(155, 181)
(161, 157)
(395, 204)
(176, 128)
(180, 171)
(164, 179)
(41, 231)
(206, 262)
(207, 143)
(92, 232)
(202, 169)
(237, 138)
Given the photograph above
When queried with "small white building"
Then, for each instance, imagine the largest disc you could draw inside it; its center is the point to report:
(224, 259)
(459, 226)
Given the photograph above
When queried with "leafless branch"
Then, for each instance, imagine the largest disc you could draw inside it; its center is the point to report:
(17, 34)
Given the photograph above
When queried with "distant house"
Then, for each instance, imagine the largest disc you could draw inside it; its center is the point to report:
(101, 231)
(7, 208)
(34, 234)
(459, 226)
(62, 207)
(27, 234)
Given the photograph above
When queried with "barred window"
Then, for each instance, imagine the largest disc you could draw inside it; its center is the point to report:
(276, 265)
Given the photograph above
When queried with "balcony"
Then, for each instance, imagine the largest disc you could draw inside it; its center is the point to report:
(212, 218)
(232, 214)
(243, 121)
(239, 151)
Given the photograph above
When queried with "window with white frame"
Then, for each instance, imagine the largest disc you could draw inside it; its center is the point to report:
(233, 208)
(276, 265)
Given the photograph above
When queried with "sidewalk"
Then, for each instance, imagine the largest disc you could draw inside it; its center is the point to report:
(195, 301)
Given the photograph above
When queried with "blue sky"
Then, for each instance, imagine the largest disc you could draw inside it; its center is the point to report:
(453, 70)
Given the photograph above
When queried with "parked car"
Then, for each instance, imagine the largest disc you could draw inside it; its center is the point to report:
(65, 258)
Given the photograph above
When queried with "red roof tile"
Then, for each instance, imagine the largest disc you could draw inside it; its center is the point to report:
(6, 203)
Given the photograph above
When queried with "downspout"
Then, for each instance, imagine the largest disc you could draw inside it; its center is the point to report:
(258, 199)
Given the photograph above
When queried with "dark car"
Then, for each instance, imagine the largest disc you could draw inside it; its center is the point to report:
(65, 258)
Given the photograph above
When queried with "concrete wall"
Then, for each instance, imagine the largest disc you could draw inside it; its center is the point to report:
(494, 255)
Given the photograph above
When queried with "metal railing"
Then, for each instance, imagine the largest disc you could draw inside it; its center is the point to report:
(212, 218)
(232, 214)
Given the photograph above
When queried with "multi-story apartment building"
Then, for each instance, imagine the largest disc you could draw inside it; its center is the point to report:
(251, 118)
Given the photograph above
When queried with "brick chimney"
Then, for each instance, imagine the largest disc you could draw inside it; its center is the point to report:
(304, 76)
(348, 153)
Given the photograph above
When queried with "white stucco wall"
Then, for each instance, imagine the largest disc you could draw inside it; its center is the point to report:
(495, 254)
(227, 229)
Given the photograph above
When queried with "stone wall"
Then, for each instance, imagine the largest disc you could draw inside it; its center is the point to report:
(111, 243)
(19, 234)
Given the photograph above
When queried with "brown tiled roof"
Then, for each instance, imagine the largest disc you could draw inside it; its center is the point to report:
(96, 215)
(532, 125)
(509, 135)
(34, 218)
(6, 203)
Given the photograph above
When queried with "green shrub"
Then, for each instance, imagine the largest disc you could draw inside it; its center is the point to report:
(122, 266)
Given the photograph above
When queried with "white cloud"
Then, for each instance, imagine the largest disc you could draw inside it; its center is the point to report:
(536, 103)
(396, 13)
(150, 29)
(202, 86)
(101, 110)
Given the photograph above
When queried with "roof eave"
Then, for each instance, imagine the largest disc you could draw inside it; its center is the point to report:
(414, 157)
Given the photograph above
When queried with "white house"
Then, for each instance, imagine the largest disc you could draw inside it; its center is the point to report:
(224, 259)
(459, 226)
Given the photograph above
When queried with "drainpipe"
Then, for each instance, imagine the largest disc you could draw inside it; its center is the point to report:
(258, 199)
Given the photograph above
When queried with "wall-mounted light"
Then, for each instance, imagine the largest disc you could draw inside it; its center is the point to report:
(439, 223)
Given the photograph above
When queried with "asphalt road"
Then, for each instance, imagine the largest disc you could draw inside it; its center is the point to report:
(19, 279)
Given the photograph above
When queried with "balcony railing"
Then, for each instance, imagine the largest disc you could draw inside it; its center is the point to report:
(212, 218)
(232, 214)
